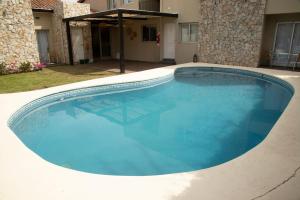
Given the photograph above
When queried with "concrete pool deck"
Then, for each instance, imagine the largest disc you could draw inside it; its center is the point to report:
(271, 170)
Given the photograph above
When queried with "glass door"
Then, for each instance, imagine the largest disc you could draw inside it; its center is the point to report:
(43, 45)
(295, 50)
(287, 44)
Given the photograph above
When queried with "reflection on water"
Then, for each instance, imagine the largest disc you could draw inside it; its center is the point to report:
(183, 125)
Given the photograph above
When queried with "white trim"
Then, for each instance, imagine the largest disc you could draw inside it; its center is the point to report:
(291, 43)
(190, 28)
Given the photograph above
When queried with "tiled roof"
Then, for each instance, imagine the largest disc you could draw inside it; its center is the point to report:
(43, 4)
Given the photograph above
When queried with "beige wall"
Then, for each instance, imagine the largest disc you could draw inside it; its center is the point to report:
(133, 5)
(282, 6)
(43, 21)
(188, 11)
(135, 48)
(185, 52)
(101, 5)
(269, 33)
(97, 5)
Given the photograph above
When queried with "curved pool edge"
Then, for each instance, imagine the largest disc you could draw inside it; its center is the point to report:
(104, 89)
(136, 85)
(245, 177)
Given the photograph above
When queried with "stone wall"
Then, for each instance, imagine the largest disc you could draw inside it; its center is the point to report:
(63, 10)
(230, 31)
(17, 37)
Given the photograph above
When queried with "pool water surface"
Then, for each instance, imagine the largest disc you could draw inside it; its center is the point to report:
(188, 123)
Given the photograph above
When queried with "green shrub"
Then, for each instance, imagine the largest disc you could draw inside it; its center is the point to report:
(2, 68)
(25, 67)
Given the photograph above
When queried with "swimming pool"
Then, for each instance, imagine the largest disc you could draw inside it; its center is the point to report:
(193, 120)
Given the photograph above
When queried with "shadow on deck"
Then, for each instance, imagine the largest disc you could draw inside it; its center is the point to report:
(105, 66)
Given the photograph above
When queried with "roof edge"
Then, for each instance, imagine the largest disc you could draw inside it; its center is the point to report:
(122, 11)
(42, 10)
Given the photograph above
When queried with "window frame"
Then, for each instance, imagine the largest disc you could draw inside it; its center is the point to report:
(190, 24)
(128, 1)
(149, 26)
(111, 4)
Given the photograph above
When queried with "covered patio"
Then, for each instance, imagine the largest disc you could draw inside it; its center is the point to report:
(115, 17)
(112, 66)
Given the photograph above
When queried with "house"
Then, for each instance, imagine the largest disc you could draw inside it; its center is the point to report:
(177, 35)
(50, 29)
(280, 43)
(247, 33)
(34, 31)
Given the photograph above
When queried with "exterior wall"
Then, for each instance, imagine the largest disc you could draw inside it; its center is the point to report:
(133, 5)
(135, 48)
(59, 34)
(282, 6)
(188, 12)
(74, 9)
(230, 32)
(63, 10)
(101, 5)
(43, 21)
(97, 5)
(17, 39)
(269, 33)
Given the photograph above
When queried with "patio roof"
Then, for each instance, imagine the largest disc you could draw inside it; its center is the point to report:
(127, 14)
(117, 16)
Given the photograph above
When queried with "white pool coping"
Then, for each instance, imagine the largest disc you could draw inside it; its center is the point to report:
(268, 171)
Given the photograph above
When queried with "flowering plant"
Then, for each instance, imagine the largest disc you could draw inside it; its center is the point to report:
(12, 68)
(38, 66)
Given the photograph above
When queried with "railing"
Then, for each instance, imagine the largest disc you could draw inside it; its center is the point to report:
(150, 5)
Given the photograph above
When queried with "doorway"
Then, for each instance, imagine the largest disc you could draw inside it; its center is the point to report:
(169, 41)
(101, 42)
(105, 43)
(286, 44)
(77, 41)
(43, 45)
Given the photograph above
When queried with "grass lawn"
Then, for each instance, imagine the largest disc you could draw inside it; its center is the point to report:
(51, 76)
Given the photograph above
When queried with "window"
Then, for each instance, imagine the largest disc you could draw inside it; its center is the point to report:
(111, 4)
(189, 32)
(127, 1)
(149, 33)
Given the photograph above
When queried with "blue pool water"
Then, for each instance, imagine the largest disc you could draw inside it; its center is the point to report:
(191, 122)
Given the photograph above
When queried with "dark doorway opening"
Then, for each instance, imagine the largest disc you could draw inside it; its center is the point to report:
(96, 41)
(101, 42)
(105, 42)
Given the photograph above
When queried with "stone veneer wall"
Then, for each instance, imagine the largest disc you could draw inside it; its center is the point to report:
(61, 11)
(230, 31)
(17, 37)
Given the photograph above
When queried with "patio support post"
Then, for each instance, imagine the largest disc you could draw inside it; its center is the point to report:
(69, 39)
(121, 33)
